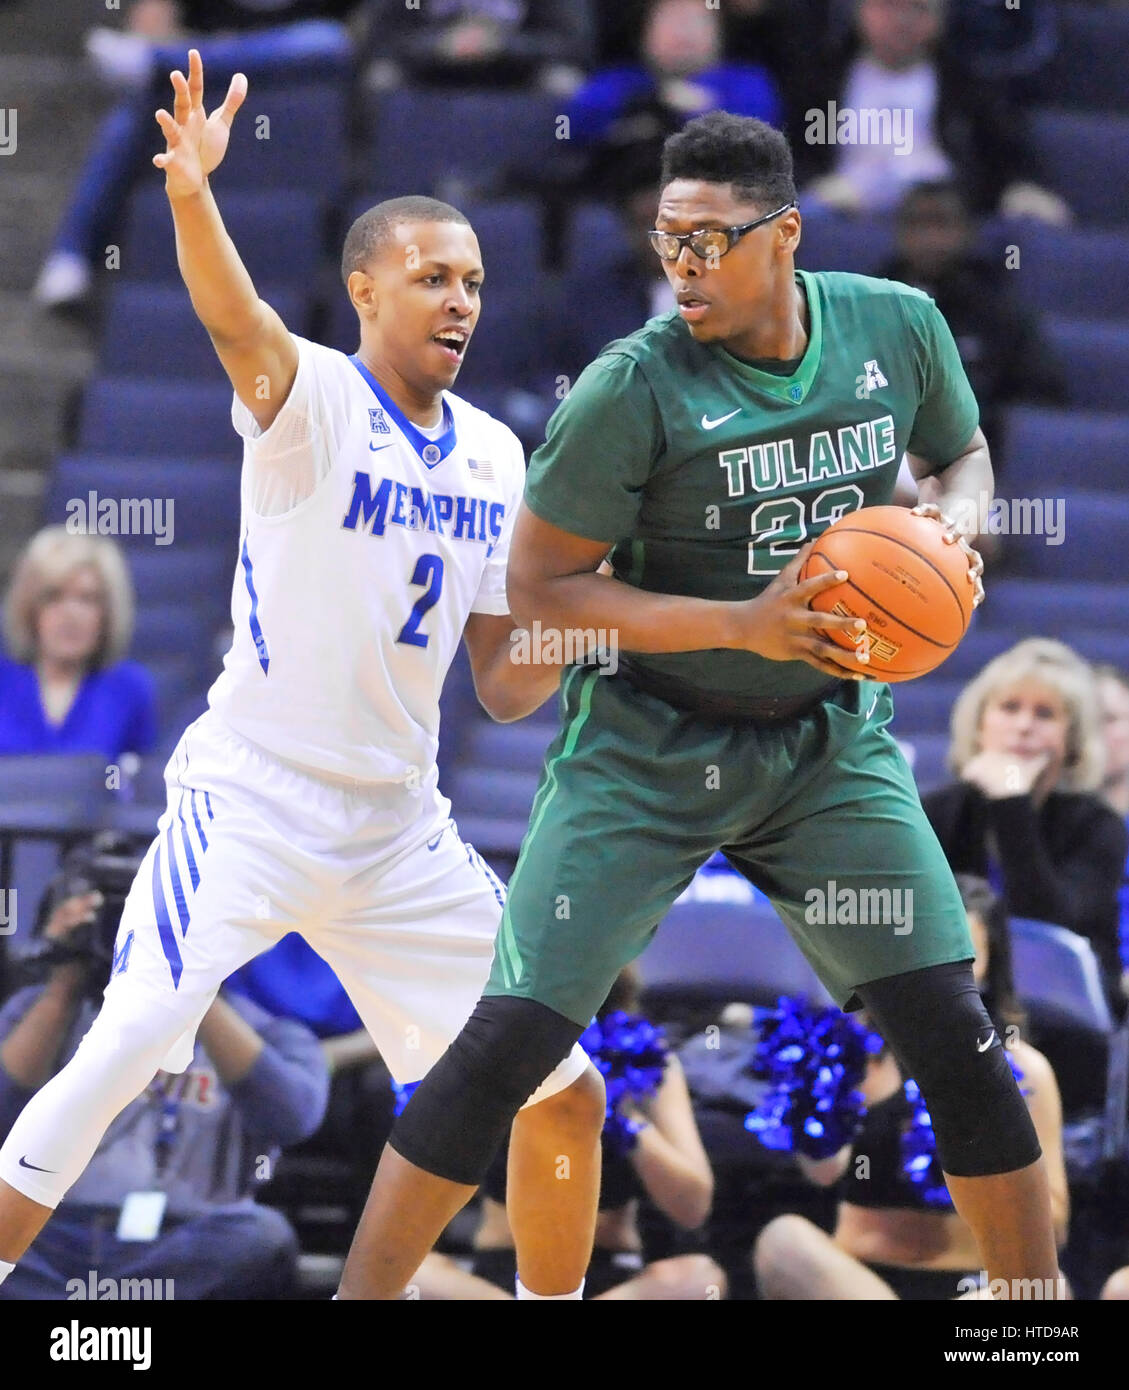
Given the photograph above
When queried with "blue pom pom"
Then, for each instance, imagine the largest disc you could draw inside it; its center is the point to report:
(814, 1060)
(919, 1147)
(630, 1052)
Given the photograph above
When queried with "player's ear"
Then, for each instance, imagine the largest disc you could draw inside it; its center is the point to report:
(362, 292)
(788, 230)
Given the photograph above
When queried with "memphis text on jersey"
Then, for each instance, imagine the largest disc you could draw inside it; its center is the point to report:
(393, 503)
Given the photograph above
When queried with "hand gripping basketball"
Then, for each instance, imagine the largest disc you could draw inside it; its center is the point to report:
(953, 536)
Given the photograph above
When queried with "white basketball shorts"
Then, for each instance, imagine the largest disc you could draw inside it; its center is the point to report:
(375, 878)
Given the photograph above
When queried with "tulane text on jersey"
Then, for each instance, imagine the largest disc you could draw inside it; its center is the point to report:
(396, 504)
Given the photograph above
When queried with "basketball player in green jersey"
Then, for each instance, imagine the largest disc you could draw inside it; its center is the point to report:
(701, 454)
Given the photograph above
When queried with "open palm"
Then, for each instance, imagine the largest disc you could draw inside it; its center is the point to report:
(196, 142)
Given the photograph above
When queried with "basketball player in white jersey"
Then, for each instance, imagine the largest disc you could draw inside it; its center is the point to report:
(376, 515)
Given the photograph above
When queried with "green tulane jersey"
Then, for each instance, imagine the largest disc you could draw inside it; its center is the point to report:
(705, 474)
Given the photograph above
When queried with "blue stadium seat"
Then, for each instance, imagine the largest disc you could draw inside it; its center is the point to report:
(494, 791)
(43, 799)
(926, 755)
(151, 330)
(163, 573)
(978, 646)
(924, 706)
(205, 496)
(834, 241)
(177, 630)
(1049, 450)
(594, 229)
(511, 346)
(713, 953)
(131, 415)
(1062, 270)
(455, 143)
(1057, 976)
(1096, 360)
(288, 220)
(1097, 526)
(509, 236)
(1054, 608)
(1085, 158)
(515, 747)
(1088, 68)
(304, 146)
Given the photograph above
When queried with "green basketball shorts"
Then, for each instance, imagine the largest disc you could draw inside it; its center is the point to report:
(820, 812)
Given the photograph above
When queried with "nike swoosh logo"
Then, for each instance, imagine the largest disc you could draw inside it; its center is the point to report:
(433, 845)
(988, 1044)
(376, 448)
(708, 424)
(25, 1164)
(870, 711)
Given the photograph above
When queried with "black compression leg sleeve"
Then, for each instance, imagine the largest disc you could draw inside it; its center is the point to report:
(940, 1032)
(456, 1121)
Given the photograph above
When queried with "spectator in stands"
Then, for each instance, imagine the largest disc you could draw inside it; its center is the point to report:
(895, 63)
(1005, 357)
(261, 38)
(68, 618)
(482, 42)
(681, 72)
(1113, 693)
(889, 1242)
(1026, 747)
(168, 1195)
(667, 1167)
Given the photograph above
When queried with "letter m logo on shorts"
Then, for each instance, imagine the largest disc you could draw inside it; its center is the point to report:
(121, 957)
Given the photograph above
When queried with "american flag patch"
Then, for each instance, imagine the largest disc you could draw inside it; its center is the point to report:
(482, 468)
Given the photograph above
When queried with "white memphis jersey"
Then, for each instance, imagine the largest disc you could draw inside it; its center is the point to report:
(348, 605)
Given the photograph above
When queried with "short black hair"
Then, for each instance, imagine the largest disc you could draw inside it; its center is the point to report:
(949, 189)
(373, 230)
(740, 150)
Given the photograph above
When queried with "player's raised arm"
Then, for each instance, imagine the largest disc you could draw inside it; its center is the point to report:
(251, 340)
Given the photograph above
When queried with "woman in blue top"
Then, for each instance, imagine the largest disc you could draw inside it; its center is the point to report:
(68, 619)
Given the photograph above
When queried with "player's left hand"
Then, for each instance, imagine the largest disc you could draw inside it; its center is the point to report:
(953, 537)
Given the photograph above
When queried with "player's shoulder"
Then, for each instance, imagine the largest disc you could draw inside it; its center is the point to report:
(325, 358)
(478, 429)
(838, 285)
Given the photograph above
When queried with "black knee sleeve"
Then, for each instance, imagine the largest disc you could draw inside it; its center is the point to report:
(942, 1036)
(456, 1121)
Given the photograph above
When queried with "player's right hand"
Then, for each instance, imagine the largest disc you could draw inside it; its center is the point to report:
(779, 623)
(196, 143)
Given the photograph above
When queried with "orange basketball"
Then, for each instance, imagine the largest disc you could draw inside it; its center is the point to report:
(909, 584)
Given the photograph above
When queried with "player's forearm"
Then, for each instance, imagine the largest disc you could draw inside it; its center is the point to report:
(963, 489)
(31, 1050)
(674, 1183)
(632, 619)
(230, 1041)
(222, 293)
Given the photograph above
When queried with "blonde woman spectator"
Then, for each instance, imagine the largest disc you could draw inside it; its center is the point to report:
(1024, 813)
(68, 620)
(1113, 694)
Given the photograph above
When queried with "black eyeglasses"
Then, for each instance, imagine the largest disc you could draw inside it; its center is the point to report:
(709, 244)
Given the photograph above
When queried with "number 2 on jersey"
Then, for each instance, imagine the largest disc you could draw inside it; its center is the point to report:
(428, 571)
